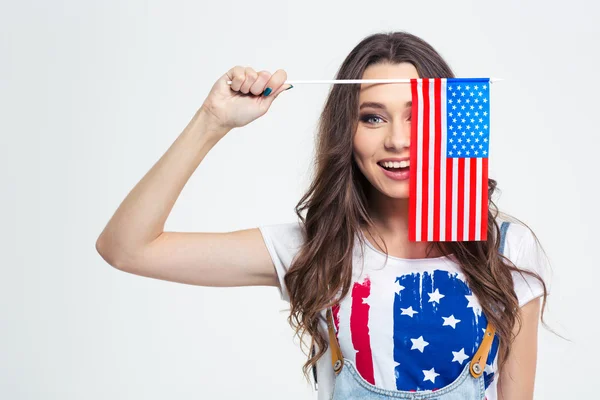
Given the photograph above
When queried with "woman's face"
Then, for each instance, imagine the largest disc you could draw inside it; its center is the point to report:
(382, 137)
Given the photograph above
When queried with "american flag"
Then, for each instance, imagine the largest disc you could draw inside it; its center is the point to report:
(449, 159)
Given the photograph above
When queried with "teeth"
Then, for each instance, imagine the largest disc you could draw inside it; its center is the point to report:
(396, 164)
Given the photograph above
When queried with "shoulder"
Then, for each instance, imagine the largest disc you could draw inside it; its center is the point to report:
(517, 236)
(521, 242)
(283, 241)
(525, 251)
(286, 235)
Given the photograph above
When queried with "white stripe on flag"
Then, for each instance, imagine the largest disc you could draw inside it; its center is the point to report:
(454, 198)
(467, 187)
(478, 200)
(431, 162)
(444, 134)
(419, 200)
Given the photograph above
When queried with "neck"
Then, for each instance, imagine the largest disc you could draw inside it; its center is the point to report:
(390, 217)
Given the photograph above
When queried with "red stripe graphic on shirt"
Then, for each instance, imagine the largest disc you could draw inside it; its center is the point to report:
(359, 330)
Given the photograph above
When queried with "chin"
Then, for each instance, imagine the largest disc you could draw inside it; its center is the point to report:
(397, 193)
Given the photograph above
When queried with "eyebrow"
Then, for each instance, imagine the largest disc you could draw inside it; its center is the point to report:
(373, 104)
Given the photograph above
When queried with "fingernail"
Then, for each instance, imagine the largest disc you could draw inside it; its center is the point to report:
(291, 86)
(267, 91)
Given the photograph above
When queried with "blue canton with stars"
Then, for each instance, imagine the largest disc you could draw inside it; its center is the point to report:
(438, 326)
(468, 117)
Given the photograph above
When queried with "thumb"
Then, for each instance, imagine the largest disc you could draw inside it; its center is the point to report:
(283, 88)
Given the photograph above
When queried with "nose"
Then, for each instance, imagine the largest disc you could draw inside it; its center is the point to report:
(398, 136)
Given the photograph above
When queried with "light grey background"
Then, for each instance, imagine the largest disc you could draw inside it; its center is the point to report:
(93, 93)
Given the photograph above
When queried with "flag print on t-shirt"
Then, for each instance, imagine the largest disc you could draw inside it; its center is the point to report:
(412, 332)
(409, 324)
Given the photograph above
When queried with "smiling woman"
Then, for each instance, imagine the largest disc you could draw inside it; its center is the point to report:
(384, 336)
(382, 139)
(386, 316)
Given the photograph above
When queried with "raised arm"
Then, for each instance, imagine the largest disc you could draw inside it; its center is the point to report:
(134, 239)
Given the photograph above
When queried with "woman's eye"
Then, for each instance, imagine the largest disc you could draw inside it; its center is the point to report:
(366, 118)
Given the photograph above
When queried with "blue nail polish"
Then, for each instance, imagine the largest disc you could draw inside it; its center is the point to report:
(267, 91)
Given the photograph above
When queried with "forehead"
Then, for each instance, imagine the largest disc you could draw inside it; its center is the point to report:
(393, 95)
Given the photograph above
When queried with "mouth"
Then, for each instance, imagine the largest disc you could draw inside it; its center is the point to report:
(397, 170)
(395, 166)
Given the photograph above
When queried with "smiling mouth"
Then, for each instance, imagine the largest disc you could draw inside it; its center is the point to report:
(396, 166)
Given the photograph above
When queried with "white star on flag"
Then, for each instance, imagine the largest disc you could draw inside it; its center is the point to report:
(419, 344)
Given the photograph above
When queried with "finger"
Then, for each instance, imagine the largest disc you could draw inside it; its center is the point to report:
(261, 83)
(276, 83)
(236, 76)
(251, 76)
(283, 88)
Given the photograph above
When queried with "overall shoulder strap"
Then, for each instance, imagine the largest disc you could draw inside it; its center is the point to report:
(503, 229)
(337, 360)
(480, 358)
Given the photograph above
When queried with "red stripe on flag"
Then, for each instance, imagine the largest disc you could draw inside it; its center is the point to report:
(449, 163)
(412, 196)
(473, 198)
(359, 330)
(436, 158)
(484, 198)
(425, 157)
(461, 200)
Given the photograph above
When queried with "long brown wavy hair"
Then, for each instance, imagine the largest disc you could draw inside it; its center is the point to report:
(336, 209)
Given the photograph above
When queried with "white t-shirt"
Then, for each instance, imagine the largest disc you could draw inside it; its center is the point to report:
(411, 324)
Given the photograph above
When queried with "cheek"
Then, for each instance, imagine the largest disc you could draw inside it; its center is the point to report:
(364, 147)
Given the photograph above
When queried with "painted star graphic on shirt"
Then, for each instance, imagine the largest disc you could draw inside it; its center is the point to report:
(435, 296)
(474, 304)
(400, 287)
(419, 344)
(450, 321)
(459, 356)
(430, 375)
(408, 311)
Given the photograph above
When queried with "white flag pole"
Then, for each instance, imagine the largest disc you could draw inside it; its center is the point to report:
(349, 81)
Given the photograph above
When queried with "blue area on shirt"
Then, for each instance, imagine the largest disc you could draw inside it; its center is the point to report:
(428, 323)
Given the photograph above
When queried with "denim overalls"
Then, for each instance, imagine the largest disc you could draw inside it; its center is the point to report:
(349, 384)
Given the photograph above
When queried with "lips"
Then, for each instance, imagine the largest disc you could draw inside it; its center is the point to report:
(401, 174)
(395, 165)
(395, 159)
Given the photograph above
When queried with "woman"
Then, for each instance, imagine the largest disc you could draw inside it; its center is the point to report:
(387, 317)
